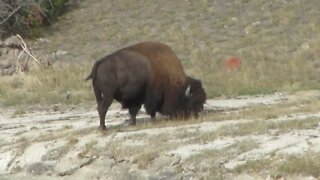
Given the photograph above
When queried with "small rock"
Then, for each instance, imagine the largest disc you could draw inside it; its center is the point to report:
(12, 40)
(56, 107)
(61, 52)
(305, 46)
(43, 40)
(37, 169)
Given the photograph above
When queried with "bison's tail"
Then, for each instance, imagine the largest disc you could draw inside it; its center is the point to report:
(93, 73)
(89, 77)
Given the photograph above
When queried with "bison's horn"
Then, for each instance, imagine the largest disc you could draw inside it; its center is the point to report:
(187, 93)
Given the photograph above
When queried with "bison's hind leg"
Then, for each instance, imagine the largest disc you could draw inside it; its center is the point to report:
(104, 100)
(133, 113)
(102, 109)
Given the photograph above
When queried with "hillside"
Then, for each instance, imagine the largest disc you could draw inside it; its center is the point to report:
(277, 41)
(277, 44)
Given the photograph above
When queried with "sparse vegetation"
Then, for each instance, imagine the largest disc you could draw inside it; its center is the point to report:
(255, 127)
(277, 44)
(243, 146)
(18, 112)
(307, 164)
(145, 157)
(268, 112)
(256, 165)
(51, 85)
(57, 153)
(120, 152)
(23, 143)
(88, 148)
(210, 162)
(302, 164)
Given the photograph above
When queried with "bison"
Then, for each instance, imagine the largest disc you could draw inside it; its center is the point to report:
(146, 73)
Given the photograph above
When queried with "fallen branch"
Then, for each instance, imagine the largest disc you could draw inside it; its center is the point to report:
(21, 64)
(27, 50)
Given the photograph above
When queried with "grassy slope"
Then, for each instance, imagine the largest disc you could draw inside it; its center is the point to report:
(278, 43)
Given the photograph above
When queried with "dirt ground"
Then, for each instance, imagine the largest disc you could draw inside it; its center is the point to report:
(67, 144)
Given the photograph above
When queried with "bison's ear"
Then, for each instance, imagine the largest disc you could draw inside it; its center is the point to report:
(187, 93)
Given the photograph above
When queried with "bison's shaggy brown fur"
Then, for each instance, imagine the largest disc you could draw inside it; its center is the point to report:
(147, 73)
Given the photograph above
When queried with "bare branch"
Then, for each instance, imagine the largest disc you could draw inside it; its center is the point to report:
(11, 14)
(27, 50)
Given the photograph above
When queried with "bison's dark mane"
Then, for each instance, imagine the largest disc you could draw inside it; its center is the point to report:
(167, 79)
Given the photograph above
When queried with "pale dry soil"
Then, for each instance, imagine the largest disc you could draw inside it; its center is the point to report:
(68, 144)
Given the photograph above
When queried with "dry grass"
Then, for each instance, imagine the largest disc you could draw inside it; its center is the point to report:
(144, 158)
(88, 148)
(255, 127)
(47, 86)
(267, 112)
(263, 127)
(303, 164)
(68, 134)
(23, 143)
(306, 164)
(226, 153)
(120, 152)
(140, 154)
(58, 153)
(281, 110)
(209, 162)
(277, 43)
(19, 111)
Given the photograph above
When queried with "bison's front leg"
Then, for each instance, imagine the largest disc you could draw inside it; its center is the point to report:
(151, 103)
(133, 113)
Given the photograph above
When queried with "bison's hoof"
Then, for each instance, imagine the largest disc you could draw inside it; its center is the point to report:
(103, 128)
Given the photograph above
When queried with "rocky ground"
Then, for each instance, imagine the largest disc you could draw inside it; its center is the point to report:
(67, 144)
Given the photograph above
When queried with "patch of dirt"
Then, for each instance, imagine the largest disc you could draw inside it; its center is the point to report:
(53, 145)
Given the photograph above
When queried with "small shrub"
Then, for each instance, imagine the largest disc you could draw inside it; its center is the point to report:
(27, 18)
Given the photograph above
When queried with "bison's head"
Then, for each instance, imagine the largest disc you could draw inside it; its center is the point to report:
(192, 99)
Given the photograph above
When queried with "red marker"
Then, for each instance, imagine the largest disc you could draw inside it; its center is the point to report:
(232, 63)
